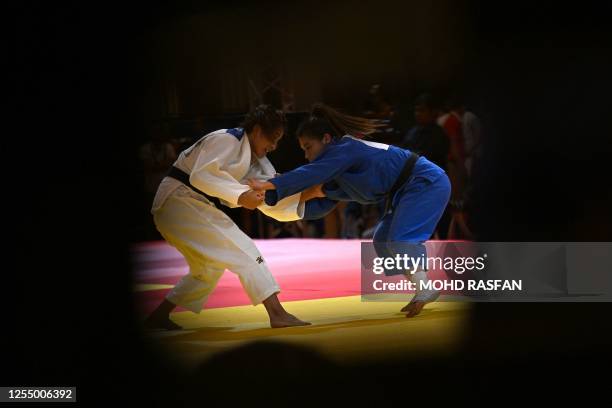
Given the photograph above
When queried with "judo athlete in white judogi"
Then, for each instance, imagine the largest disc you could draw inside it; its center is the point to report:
(216, 169)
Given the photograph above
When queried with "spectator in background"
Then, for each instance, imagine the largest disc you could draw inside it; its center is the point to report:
(376, 106)
(277, 229)
(157, 156)
(451, 122)
(465, 126)
(353, 220)
(472, 139)
(371, 215)
(463, 130)
(428, 139)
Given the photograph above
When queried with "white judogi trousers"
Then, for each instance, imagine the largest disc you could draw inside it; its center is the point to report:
(210, 242)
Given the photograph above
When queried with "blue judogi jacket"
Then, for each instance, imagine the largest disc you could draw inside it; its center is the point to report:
(350, 169)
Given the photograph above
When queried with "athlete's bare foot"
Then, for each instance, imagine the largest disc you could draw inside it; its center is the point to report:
(413, 308)
(286, 320)
(419, 301)
(154, 322)
(279, 316)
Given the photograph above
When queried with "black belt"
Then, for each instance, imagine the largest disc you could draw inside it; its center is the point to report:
(401, 179)
(183, 177)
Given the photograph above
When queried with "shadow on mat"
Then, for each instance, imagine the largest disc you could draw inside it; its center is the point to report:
(275, 373)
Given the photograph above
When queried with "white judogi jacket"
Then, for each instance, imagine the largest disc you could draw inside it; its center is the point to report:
(220, 164)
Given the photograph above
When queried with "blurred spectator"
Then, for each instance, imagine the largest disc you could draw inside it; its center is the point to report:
(376, 106)
(427, 138)
(360, 220)
(353, 220)
(157, 156)
(451, 122)
(314, 228)
(472, 139)
(464, 127)
(370, 217)
(277, 229)
(459, 225)
(454, 126)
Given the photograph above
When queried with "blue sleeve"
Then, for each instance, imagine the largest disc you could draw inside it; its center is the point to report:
(333, 161)
(318, 208)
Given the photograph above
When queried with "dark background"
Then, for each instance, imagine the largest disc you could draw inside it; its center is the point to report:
(81, 83)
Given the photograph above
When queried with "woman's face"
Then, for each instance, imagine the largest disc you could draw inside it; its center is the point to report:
(313, 147)
(262, 143)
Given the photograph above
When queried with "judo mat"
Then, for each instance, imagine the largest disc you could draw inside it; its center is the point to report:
(320, 283)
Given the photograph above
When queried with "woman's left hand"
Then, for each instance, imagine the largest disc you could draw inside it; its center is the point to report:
(260, 185)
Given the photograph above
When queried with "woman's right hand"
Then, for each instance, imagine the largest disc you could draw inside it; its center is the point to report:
(251, 199)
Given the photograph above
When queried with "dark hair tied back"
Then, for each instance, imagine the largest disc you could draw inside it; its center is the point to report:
(324, 119)
(267, 117)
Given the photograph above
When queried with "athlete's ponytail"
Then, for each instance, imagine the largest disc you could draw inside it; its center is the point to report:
(324, 119)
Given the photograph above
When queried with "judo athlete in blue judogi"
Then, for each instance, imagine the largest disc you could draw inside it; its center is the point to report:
(344, 167)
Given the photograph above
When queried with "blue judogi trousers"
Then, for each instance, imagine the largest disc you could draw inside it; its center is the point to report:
(416, 209)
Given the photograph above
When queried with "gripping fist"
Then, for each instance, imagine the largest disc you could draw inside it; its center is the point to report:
(260, 185)
(251, 199)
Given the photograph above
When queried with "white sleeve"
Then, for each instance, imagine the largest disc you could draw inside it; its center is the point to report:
(209, 172)
(287, 209)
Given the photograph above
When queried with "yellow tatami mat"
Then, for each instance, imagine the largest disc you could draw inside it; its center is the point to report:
(344, 329)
